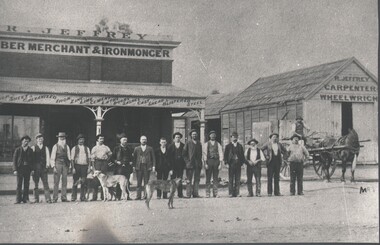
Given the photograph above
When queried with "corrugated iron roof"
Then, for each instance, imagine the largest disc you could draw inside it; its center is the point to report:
(288, 86)
(56, 86)
(214, 103)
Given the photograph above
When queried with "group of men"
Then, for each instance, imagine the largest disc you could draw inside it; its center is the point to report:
(167, 162)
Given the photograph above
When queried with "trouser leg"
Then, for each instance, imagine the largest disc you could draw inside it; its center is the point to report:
(165, 177)
(65, 171)
(44, 179)
(300, 178)
(257, 173)
(159, 177)
(178, 173)
(231, 175)
(189, 180)
(249, 180)
(237, 177)
(276, 176)
(76, 177)
(293, 175)
(57, 178)
(270, 178)
(25, 196)
(215, 177)
(36, 180)
(139, 176)
(208, 178)
(146, 180)
(197, 178)
(83, 176)
(20, 178)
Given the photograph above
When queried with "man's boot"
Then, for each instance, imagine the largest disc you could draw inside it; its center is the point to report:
(250, 190)
(215, 192)
(36, 195)
(207, 190)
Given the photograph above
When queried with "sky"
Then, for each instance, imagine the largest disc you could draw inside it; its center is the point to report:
(225, 44)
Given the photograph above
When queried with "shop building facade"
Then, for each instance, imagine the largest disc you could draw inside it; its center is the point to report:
(90, 82)
(331, 98)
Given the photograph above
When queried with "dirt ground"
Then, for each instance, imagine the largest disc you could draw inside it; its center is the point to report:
(329, 212)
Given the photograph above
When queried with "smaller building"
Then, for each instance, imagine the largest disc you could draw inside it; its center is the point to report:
(331, 98)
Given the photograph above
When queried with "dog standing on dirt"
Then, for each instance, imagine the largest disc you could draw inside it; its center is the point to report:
(108, 181)
(163, 185)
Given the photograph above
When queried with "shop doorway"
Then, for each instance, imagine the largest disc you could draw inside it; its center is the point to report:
(346, 117)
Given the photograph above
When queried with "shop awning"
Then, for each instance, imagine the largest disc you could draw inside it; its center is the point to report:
(96, 93)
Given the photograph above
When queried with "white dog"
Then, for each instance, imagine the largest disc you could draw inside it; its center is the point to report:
(111, 181)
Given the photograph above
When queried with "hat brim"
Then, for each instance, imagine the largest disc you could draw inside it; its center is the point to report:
(271, 135)
(180, 135)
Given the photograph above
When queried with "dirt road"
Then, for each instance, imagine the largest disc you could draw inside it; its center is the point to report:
(329, 212)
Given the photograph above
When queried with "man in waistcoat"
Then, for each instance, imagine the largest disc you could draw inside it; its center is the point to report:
(192, 154)
(212, 156)
(234, 159)
(163, 165)
(273, 151)
(22, 165)
(144, 163)
(123, 160)
(61, 163)
(254, 158)
(178, 163)
(299, 127)
(100, 157)
(41, 159)
(80, 162)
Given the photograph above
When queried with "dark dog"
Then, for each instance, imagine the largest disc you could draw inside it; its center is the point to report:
(163, 185)
(90, 183)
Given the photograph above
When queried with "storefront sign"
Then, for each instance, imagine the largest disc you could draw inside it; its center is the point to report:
(57, 99)
(351, 78)
(349, 98)
(60, 48)
(347, 87)
(83, 33)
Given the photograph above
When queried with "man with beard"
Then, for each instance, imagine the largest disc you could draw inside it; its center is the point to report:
(60, 161)
(144, 163)
(212, 157)
(192, 154)
(273, 151)
(41, 159)
(163, 165)
(100, 156)
(234, 159)
(80, 156)
(22, 165)
(178, 163)
(122, 158)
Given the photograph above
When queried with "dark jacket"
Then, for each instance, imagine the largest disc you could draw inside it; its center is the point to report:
(148, 154)
(228, 153)
(162, 160)
(267, 150)
(177, 164)
(124, 155)
(17, 158)
(192, 154)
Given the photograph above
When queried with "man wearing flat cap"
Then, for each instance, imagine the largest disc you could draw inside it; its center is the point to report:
(255, 157)
(41, 164)
(61, 163)
(273, 151)
(234, 159)
(80, 162)
(297, 155)
(22, 166)
(212, 157)
(178, 163)
(123, 160)
(192, 154)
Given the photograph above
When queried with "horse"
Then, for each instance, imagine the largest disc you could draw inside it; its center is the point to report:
(349, 153)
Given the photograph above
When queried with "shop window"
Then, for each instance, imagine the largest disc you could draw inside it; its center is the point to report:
(179, 125)
(240, 125)
(12, 128)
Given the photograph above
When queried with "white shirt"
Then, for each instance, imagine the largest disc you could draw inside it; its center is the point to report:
(235, 143)
(81, 155)
(212, 142)
(163, 150)
(275, 148)
(143, 147)
(177, 145)
(253, 154)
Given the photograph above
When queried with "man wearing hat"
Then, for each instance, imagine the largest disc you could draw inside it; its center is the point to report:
(178, 163)
(41, 164)
(299, 127)
(234, 159)
(297, 154)
(254, 158)
(100, 156)
(22, 166)
(192, 154)
(61, 163)
(212, 156)
(122, 158)
(273, 151)
(80, 162)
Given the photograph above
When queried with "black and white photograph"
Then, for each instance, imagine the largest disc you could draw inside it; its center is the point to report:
(189, 121)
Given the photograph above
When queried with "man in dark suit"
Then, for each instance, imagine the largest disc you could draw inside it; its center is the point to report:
(192, 154)
(176, 158)
(163, 165)
(144, 163)
(234, 159)
(273, 151)
(22, 168)
(122, 158)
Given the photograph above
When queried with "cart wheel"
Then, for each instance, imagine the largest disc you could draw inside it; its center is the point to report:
(285, 170)
(324, 166)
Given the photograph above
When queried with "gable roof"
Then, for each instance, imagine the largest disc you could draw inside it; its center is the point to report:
(290, 86)
(214, 103)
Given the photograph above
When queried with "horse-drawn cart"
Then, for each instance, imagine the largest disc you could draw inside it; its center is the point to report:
(326, 152)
